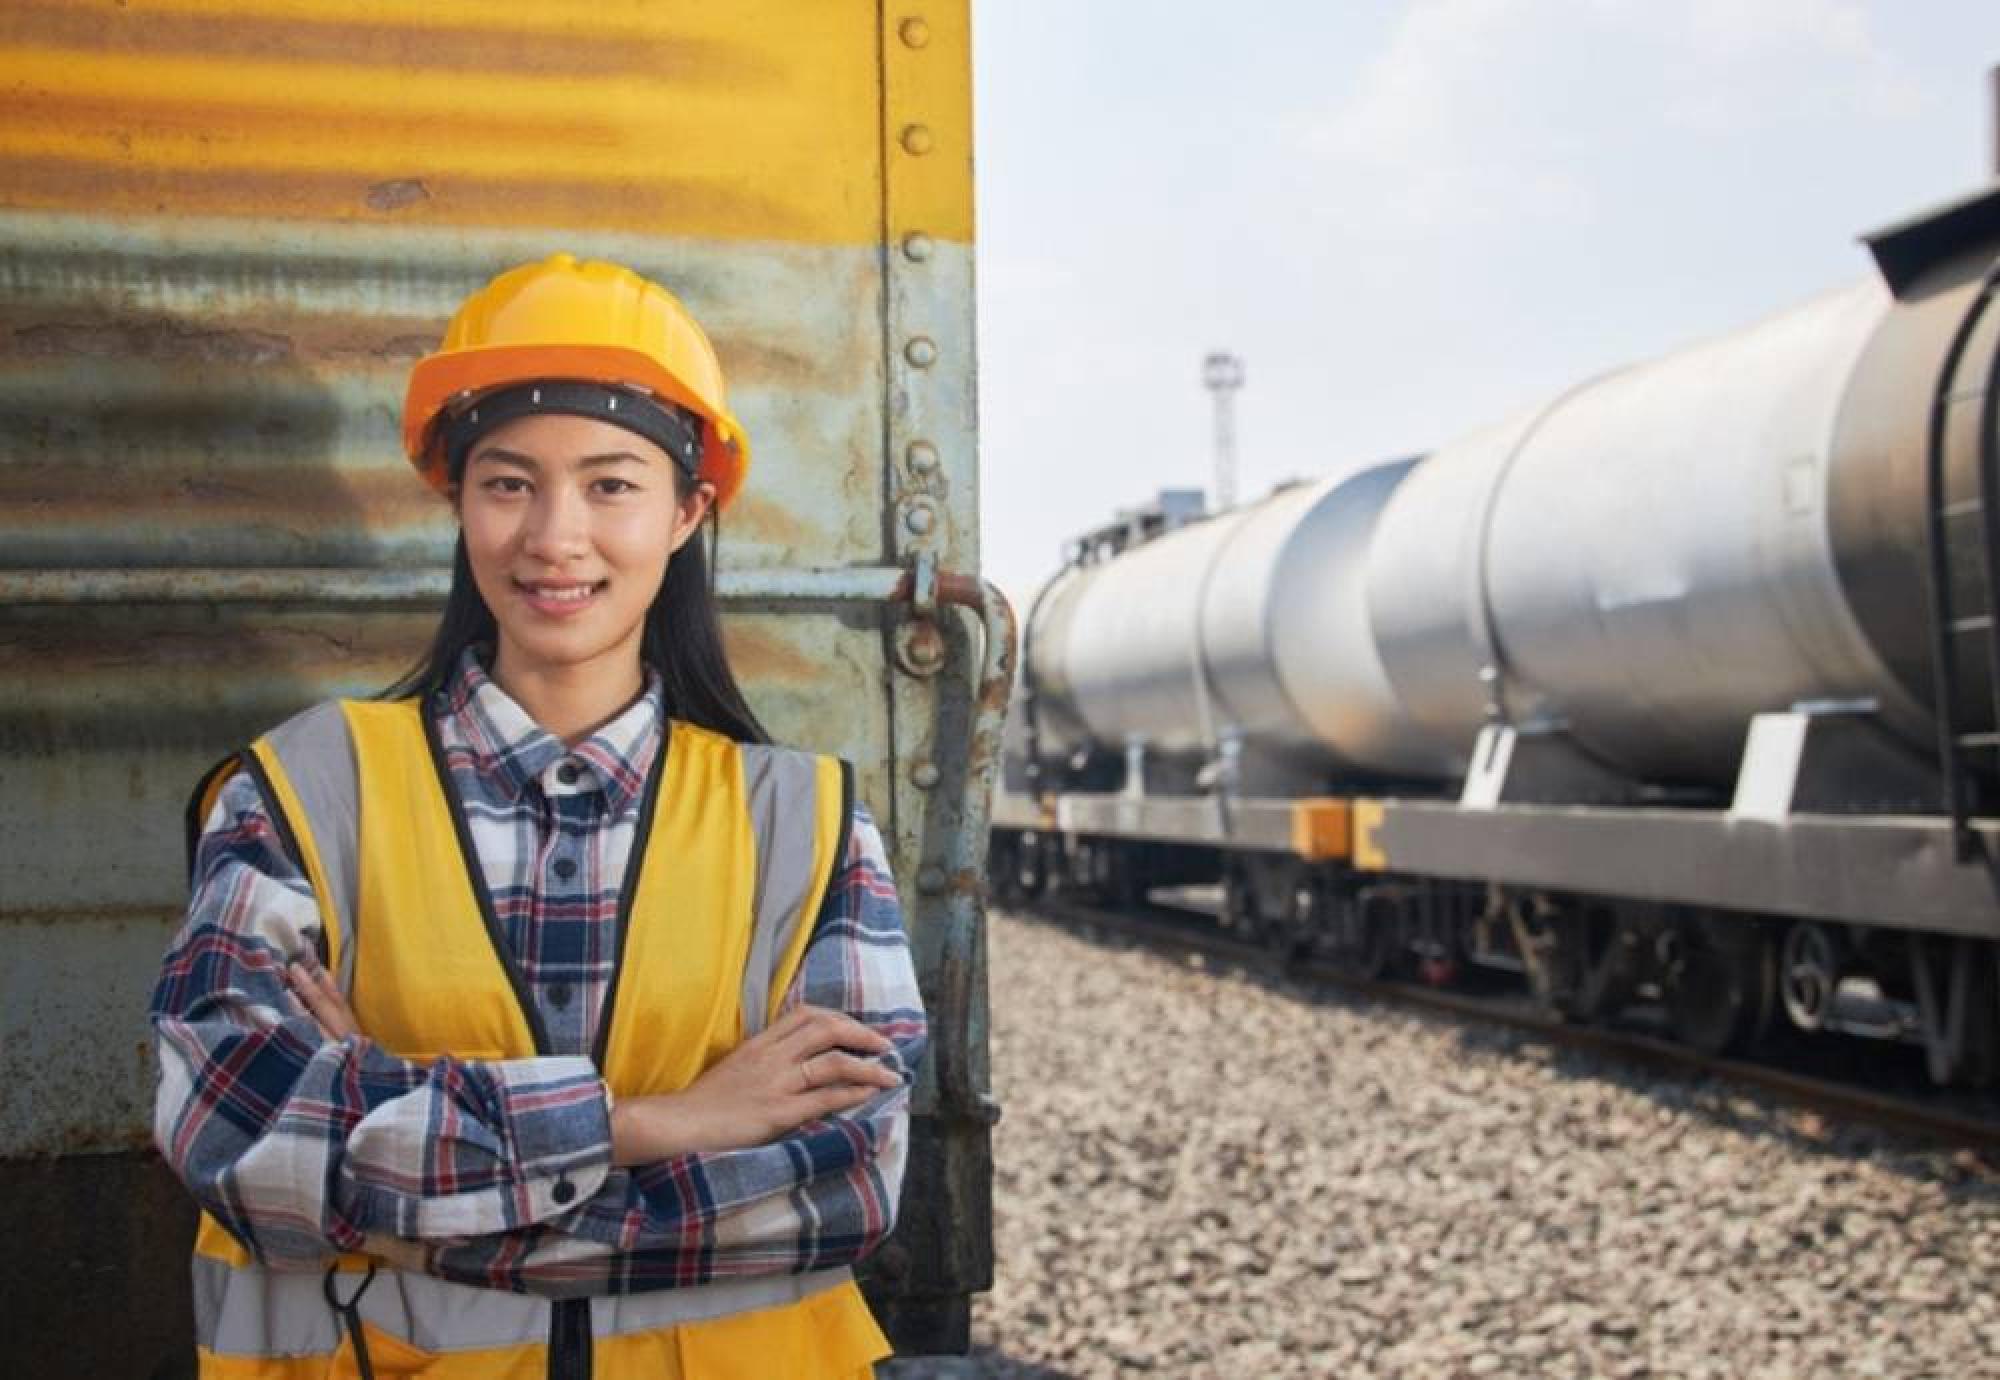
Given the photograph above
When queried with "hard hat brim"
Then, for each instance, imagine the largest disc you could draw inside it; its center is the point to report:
(439, 378)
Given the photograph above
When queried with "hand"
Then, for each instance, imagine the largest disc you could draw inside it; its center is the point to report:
(812, 1063)
(321, 996)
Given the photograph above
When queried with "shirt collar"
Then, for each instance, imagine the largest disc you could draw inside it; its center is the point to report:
(511, 751)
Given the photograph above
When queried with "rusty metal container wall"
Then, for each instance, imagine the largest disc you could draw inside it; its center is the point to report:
(226, 229)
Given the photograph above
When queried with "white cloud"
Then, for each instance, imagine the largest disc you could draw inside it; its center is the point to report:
(1410, 222)
(1480, 114)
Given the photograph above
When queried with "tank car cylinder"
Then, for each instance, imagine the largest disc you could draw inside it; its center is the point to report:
(1645, 561)
(1252, 625)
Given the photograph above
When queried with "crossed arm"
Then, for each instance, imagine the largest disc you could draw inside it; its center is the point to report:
(796, 1070)
(303, 1136)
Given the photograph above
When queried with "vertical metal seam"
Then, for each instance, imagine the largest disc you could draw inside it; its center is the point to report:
(887, 509)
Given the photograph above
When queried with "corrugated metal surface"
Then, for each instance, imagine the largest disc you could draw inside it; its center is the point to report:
(226, 229)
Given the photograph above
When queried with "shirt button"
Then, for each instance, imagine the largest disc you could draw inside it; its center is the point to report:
(565, 868)
(563, 1191)
(559, 995)
(568, 772)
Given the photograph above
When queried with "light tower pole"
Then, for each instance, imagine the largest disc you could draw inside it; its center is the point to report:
(1222, 375)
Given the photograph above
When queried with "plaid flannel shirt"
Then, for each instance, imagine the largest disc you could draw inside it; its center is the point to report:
(302, 1146)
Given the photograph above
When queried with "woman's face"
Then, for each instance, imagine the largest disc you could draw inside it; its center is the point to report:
(569, 523)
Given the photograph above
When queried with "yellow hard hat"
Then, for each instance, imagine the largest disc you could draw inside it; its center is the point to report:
(581, 320)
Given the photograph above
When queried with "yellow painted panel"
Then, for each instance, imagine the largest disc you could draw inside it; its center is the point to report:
(1320, 829)
(926, 59)
(755, 119)
(1368, 854)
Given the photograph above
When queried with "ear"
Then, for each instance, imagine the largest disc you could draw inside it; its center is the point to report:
(689, 510)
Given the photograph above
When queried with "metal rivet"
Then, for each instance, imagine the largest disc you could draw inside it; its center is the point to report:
(915, 33)
(923, 456)
(922, 352)
(916, 246)
(920, 519)
(917, 140)
(930, 880)
(925, 774)
(920, 647)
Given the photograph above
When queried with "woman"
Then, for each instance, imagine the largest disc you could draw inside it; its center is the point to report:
(543, 1021)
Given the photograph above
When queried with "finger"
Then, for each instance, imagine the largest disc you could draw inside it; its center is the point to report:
(784, 1033)
(833, 1067)
(329, 988)
(337, 1002)
(835, 1030)
(323, 998)
(333, 1001)
(311, 997)
(832, 1101)
(790, 1022)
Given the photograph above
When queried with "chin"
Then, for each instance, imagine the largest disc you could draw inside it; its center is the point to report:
(535, 648)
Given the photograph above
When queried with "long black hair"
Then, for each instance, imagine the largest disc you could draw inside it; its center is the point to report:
(682, 639)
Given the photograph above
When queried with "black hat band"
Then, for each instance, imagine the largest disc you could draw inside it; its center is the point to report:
(672, 428)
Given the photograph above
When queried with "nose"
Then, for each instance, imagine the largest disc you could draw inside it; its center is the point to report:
(558, 527)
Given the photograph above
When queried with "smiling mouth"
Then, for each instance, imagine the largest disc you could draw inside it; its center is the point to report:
(557, 597)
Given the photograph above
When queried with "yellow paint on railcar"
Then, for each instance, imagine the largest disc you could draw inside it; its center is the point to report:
(1367, 851)
(1322, 829)
(752, 120)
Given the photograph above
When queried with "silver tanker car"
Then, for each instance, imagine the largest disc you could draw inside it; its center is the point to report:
(1677, 686)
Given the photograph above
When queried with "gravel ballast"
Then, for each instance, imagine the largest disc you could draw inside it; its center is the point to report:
(1208, 1173)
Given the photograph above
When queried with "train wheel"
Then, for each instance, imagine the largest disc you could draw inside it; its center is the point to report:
(1720, 984)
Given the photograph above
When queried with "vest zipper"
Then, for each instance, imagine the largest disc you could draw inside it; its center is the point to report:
(569, 1340)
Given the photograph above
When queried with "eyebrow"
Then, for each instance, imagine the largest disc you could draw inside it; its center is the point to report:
(528, 462)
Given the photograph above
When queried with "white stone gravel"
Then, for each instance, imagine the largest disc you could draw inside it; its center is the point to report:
(1210, 1174)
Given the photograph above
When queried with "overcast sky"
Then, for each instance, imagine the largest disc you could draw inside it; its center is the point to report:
(1409, 219)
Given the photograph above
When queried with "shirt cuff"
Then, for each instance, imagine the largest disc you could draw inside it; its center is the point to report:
(534, 1142)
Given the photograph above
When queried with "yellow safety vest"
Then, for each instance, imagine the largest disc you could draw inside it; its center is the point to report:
(735, 849)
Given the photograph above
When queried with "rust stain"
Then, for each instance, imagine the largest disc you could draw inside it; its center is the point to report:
(395, 196)
(152, 339)
(759, 658)
(587, 50)
(283, 336)
(763, 521)
(750, 364)
(260, 334)
(127, 125)
(240, 465)
(309, 194)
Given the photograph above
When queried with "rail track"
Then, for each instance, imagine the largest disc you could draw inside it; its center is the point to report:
(1958, 1120)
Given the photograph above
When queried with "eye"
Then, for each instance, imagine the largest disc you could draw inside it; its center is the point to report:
(505, 484)
(611, 485)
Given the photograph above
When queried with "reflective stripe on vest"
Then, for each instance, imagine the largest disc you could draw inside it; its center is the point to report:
(735, 849)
